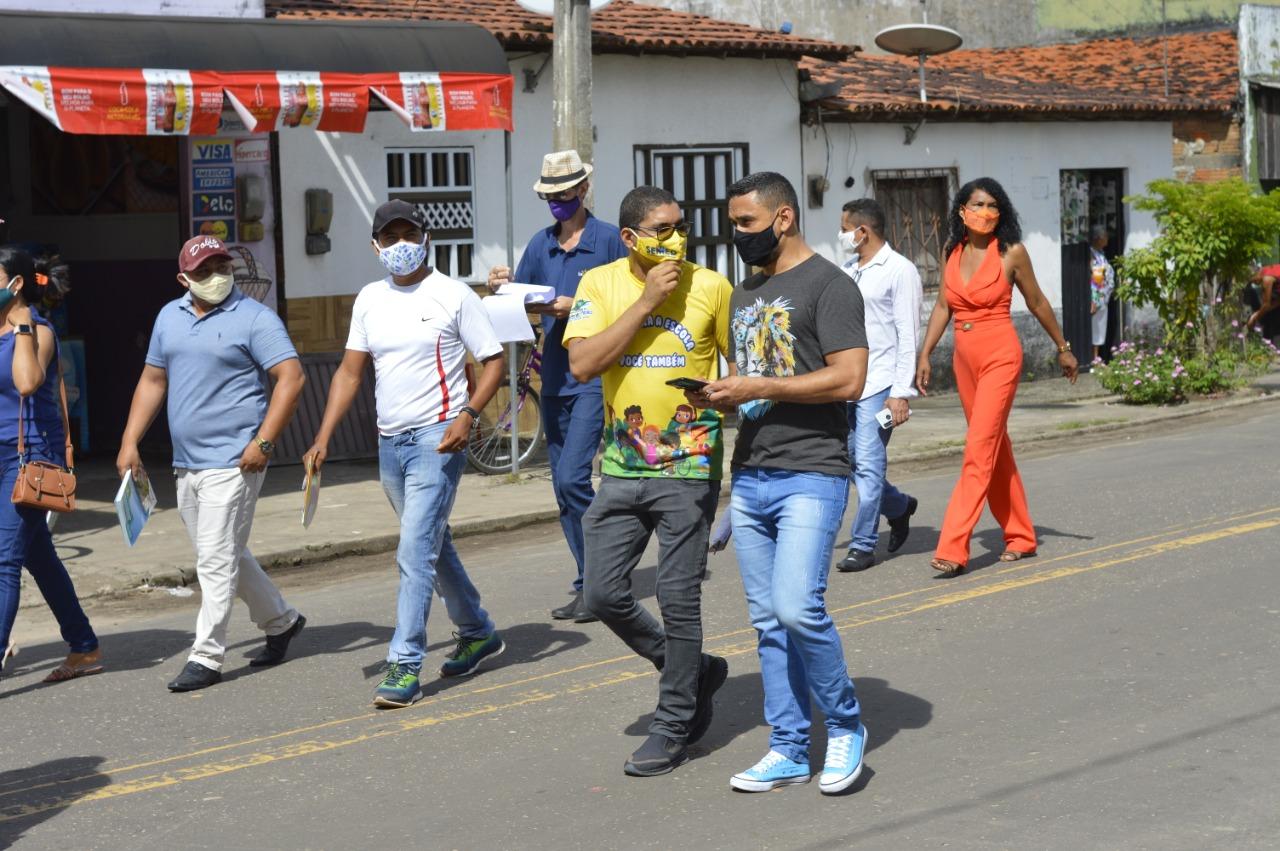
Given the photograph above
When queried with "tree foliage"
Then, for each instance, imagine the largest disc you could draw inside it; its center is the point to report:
(1194, 271)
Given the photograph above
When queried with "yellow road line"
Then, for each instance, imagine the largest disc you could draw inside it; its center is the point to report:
(402, 724)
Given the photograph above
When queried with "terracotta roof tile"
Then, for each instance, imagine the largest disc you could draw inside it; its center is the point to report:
(1108, 77)
(621, 27)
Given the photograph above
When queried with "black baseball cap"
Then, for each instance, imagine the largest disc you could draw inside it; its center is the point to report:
(397, 209)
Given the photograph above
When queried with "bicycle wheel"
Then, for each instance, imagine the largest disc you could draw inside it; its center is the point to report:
(489, 448)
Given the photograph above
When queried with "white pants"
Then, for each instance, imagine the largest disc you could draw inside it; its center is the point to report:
(217, 509)
(1099, 323)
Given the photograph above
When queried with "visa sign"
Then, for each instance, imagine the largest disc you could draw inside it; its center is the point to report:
(212, 151)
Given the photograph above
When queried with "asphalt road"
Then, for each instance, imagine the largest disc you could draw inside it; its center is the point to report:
(1122, 690)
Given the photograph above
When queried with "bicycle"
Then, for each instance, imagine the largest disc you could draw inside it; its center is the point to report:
(489, 446)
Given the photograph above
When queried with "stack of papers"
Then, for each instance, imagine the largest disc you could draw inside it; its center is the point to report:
(134, 503)
(506, 309)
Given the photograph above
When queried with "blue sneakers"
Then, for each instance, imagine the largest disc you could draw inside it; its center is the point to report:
(399, 686)
(844, 761)
(467, 656)
(769, 773)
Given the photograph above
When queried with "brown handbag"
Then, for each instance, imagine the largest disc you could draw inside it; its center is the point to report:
(40, 484)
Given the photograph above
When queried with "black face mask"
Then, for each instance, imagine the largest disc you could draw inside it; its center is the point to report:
(756, 248)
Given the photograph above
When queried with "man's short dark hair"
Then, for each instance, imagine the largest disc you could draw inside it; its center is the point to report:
(867, 212)
(773, 189)
(639, 202)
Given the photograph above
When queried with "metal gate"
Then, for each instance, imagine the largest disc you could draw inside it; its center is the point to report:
(699, 177)
(915, 203)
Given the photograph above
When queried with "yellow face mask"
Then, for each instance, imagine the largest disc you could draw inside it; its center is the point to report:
(653, 250)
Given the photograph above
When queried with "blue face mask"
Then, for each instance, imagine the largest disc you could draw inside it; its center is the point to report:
(6, 296)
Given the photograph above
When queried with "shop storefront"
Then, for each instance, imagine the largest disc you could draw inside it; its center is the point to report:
(121, 136)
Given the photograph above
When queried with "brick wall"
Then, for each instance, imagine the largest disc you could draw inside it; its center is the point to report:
(1207, 149)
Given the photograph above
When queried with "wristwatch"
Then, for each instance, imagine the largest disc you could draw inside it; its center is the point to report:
(22, 329)
(265, 445)
(1065, 347)
(467, 409)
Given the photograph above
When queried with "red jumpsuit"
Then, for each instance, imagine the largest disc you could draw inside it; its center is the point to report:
(987, 363)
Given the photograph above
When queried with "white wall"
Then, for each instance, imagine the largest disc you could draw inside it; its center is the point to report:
(1024, 157)
(637, 100)
(205, 8)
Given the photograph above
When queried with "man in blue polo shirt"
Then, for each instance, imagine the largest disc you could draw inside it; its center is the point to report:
(572, 412)
(211, 352)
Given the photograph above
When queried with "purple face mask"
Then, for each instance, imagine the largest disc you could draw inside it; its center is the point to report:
(562, 211)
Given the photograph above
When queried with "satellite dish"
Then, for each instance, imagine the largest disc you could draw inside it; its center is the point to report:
(918, 40)
(548, 7)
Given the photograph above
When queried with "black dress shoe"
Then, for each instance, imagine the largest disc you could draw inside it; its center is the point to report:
(277, 645)
(575, 610)
(657, 755)
(856, 560)
(900, 527)
(714, 671)
(195, 676)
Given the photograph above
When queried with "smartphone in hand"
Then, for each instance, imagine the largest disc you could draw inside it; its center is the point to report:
(694, 385)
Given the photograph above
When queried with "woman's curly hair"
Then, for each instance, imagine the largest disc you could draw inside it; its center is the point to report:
(1008, 229)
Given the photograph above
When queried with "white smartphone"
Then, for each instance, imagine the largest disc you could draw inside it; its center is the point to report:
(885, 417)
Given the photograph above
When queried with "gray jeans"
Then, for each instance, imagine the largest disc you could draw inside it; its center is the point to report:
(616, 530)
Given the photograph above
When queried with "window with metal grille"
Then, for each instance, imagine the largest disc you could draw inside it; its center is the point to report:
(441, 182)
(699, 177)
(915, 205)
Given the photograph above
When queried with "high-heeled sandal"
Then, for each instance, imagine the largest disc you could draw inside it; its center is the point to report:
(1014, 555)
(77, 665)
(950, 568)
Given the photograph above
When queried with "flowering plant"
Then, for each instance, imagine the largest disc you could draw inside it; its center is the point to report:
(1144, 373)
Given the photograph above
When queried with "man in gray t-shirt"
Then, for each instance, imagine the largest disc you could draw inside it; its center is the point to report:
(800, 352)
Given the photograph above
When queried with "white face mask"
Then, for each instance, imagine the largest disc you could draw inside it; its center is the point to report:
(848, 243)
(213, 289)
(403, 258)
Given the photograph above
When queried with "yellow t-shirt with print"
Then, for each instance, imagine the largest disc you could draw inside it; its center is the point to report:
(650, 429)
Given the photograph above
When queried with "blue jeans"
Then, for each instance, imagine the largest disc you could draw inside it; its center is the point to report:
(784, 528)
(573, 425)
(25, 541)
(869, 457)
(421, 484)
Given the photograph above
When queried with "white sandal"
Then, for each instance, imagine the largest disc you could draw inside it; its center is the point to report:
(9, 653)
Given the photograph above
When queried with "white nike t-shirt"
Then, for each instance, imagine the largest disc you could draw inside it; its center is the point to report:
(418, 337)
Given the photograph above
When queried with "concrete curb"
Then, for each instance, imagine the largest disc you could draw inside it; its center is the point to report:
(179, 576)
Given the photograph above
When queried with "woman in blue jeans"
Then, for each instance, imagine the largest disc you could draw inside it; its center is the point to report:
(29, 374)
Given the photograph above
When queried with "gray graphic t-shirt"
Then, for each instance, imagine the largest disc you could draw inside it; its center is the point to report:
(785, 325)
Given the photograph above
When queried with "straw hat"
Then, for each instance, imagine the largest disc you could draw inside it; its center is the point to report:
(560, 171)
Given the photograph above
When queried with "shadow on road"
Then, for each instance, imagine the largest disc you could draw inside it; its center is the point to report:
(121, 651)
(887, 711)
(29, 796)
(526, 643)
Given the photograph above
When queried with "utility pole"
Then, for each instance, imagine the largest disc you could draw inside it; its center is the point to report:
(571, 75)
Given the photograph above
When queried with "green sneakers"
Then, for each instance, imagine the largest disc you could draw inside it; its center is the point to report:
(399, 686)
(467, 656)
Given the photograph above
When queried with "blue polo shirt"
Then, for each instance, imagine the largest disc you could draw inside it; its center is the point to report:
(217, 369)
(546, 263)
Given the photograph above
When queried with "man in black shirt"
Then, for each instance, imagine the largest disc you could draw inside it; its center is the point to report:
(799, 354)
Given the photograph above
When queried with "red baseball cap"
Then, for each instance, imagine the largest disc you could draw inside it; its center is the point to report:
(199, 249)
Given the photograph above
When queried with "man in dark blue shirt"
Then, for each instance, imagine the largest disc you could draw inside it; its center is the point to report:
(572, 412)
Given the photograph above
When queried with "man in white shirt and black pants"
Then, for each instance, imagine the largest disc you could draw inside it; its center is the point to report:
(891, 294)
(417, 325)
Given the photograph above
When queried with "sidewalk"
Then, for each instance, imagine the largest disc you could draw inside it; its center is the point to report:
(354, 517)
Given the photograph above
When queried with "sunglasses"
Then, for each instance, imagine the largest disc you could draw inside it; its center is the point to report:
(664, 232)
(565, 195)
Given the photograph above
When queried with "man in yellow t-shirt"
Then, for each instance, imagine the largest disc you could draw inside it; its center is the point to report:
(640, 322)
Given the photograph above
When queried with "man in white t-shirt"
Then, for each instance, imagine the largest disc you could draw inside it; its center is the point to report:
(417, 325)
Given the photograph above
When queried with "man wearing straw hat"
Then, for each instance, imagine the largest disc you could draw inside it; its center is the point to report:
(572, 411)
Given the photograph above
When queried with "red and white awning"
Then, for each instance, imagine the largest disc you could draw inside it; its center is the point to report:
(169, 102)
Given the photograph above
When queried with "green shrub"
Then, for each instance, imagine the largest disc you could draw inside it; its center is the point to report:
(1147, 374)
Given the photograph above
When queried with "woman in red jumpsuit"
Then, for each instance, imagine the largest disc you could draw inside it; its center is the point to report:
(985, 260)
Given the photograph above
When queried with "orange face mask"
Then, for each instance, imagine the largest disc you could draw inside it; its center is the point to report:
(982, 221)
